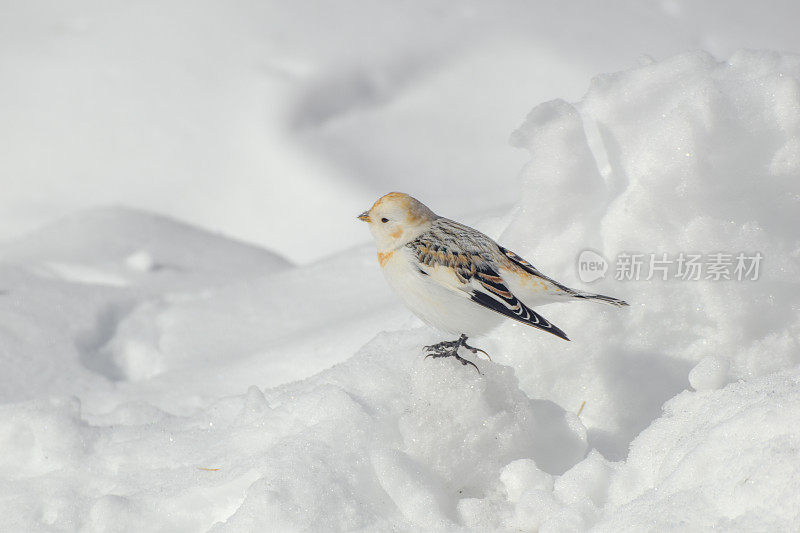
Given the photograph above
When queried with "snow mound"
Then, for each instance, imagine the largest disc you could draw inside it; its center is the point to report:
(688, 155)
(400, 449)
(722, 460)
(709, 374)
(700, 466)
(91, 285)
(119, 246)
(406, 446)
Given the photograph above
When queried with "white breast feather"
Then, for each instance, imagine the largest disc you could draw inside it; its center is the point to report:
(438, 299)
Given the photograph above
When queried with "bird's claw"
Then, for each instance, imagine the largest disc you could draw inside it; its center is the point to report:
(443, 348)
(450, 349)
(476, 350)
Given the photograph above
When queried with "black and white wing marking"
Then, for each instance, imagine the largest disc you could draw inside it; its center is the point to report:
(467, 255)
(497, 297)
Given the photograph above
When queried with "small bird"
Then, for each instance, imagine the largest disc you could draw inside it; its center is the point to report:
(457, 279)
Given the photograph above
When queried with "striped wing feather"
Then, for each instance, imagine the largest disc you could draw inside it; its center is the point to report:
(497, 297)
(469, 254)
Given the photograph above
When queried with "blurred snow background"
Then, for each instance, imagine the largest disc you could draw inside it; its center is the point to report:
(240, 117)
(194, 332)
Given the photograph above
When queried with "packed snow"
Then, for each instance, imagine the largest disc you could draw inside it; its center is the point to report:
(159, 376)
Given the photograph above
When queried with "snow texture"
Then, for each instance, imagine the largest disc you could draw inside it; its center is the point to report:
(161, 377)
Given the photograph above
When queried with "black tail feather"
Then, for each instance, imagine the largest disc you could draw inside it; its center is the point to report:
(610, 300)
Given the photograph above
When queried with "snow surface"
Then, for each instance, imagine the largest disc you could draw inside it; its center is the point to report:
(159, 377)
(233, 115)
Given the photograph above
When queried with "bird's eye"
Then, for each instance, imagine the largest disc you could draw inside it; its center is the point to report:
(384, 220)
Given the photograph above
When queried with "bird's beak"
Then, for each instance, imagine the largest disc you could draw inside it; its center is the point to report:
(364, 216)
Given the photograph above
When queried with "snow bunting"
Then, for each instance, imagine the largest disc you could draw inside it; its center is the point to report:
(457, 279)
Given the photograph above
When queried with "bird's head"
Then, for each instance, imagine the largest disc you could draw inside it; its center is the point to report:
(397, 219)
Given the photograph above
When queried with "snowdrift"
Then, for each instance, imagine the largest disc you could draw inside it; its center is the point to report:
(258, 401)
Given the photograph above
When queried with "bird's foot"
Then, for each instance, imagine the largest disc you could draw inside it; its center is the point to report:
(442, 349)
(450, 349)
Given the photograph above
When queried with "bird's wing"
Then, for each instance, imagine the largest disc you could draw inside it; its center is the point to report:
(461, 259)
(560, 288)
(533, 271)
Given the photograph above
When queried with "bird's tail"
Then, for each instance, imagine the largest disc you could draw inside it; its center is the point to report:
(610, 300)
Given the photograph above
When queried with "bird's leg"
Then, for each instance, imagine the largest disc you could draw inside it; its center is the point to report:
(450, 349)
